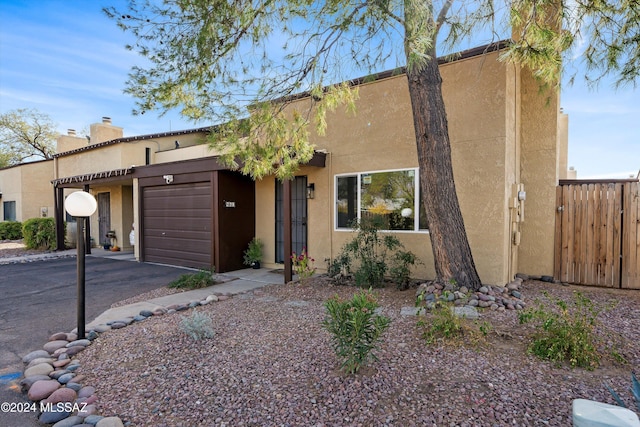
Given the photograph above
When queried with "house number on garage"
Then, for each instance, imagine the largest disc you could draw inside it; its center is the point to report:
(229, 204)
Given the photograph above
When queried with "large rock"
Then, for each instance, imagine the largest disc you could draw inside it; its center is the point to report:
(42, 389)
(35, 355)
(51, 417)
(110, 422)
(69, 422)
(52, 346)
(40, 369)
(62, 395)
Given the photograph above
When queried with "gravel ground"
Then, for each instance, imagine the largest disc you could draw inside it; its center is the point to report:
(271, 364)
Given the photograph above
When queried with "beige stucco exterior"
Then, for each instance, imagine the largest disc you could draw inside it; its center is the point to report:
(29, 186)
(509, 148)
(491, 145)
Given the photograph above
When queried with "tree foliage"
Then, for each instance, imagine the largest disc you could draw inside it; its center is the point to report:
(26, 134)
(604, 35)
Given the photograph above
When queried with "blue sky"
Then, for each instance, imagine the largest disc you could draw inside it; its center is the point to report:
(66, 59)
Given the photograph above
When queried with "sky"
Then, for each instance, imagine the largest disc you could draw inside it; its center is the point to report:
(66, 59)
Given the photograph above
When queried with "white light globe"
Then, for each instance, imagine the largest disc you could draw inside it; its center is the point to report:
(80, 204)
(406, 212)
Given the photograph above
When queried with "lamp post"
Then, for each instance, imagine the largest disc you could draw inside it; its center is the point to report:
(80, 205)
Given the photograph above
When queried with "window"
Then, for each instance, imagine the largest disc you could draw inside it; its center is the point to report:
(9, 209)
(391, 197)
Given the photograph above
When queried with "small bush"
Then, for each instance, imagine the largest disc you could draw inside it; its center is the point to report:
(39, 233)
(444, 325)
(10, 230)
(198, 326)
(372, 251)
(565, 332)
(201, 279)
(401, 270)
(355, 329)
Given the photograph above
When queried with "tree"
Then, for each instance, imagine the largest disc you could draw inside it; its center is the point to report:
(26, 134)
(214, 59)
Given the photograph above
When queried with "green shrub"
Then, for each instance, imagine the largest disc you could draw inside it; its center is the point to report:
(355, 329)
(10, 230)
(401, 268)
(444, 324)
(371, 250)
(198, 326)
(565, 332)
(39, 233)
(201, 279)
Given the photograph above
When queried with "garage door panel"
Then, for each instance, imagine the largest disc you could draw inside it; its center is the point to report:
(183, 201)
(177, 244)
(193, 260)
(194, 224)
(177, 224)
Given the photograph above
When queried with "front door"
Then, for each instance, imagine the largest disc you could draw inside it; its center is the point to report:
(104, 217)
(298, 217)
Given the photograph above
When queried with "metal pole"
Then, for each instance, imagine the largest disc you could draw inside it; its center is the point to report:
(80, 270)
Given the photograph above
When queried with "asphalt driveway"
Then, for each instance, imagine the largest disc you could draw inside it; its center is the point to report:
(38, 299)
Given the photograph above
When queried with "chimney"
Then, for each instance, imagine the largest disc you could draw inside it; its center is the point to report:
(71, 132)
(106, 120)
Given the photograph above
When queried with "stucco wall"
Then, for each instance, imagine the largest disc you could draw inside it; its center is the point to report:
(540, 162)
(381, 137)
(29, 185)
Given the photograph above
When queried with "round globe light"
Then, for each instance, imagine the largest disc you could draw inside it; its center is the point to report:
(80, 204)
(406, 212)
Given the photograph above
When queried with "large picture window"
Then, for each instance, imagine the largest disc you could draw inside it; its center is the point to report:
(390, 197)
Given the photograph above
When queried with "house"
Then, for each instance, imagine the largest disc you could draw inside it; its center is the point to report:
(25, 191)
(509, 149)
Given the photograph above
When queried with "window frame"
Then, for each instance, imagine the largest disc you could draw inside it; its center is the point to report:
(14, 210)
(358, 176)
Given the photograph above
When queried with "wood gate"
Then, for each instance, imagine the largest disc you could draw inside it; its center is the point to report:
(597, 239)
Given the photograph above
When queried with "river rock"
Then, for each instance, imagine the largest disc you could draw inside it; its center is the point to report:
(86, 391)
(40, 360)
(35, 355)
(110, 422)
(51, 417)
(69, 422)
(40, 369)
(63, 379)
(27, 382)
(71, 351)
(42, 389)
(83, 343)
(52, 346)
(58, 336)
(62, 395)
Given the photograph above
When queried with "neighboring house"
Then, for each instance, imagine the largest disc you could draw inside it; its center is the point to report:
(26, 191)
(509, 149)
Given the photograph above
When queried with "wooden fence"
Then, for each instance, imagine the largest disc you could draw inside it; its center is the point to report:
(597, 238)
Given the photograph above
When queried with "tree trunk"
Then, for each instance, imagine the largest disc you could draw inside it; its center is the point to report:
(451, 251)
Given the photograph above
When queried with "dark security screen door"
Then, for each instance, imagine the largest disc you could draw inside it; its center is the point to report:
(298, 217)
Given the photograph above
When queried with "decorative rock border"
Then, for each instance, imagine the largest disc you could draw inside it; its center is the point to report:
(465, 302)
(50, 379)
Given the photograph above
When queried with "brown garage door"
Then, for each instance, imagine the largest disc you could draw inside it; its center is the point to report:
(177, 224)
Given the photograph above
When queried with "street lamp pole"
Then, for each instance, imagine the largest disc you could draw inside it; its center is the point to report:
(80, 205)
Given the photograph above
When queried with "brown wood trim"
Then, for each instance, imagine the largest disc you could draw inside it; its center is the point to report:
(215, 218)
(204, 164)
(595, 181)
(286, 213)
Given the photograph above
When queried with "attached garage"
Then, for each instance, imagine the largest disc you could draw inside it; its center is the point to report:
(195, 214)
(178, 224)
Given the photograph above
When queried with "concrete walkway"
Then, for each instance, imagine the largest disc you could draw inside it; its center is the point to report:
(232, 283)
